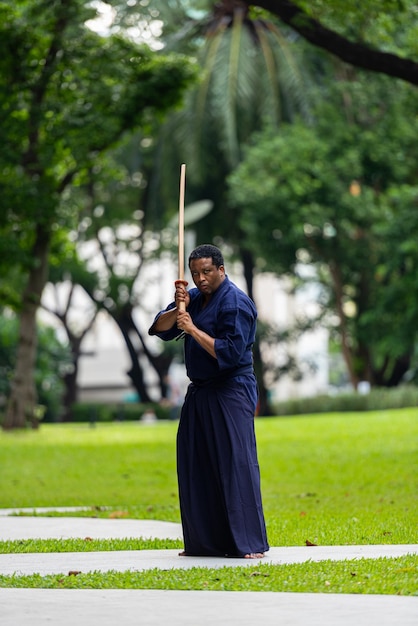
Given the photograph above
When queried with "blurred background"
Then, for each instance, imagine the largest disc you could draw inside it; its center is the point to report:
(298, 125)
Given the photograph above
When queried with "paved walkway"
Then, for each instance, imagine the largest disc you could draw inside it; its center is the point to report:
(36, 607)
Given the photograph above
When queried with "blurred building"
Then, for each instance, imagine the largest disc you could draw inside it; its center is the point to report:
(104, 363)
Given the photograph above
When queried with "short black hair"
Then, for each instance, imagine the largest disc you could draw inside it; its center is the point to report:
(207, 251)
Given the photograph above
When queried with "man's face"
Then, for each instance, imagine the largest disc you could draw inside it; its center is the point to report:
(206, 276)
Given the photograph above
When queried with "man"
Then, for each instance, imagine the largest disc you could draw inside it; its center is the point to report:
(217, 466)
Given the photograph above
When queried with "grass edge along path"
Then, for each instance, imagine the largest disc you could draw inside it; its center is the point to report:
(385, 576)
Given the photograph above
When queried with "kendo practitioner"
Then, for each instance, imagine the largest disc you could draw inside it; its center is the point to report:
(217, 465)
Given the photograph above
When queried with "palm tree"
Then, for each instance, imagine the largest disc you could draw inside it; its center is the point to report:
(250, 76)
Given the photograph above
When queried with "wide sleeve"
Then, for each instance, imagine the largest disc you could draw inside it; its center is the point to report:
(235, 336)
(165, 335)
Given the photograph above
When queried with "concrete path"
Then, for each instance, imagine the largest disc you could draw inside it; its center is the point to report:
(140, 560)
(38, 607)
(15, 528)
(131, 607)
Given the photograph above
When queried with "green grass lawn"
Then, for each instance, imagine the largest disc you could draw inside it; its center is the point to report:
(329, 479)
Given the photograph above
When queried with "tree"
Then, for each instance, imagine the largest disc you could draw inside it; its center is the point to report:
(120, 252)
(375, 36)
(112, 258)
(356, 31)
(341, 195)
(64, 292)
(67, 95)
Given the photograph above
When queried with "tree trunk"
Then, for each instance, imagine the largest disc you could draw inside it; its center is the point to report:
(126, 325)
(345, 344)
(263, 403)
(70, 394)
(395, 377)
(71, 378)
(160, 363)
(22, 409)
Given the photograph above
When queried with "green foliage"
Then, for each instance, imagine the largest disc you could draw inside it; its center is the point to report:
(52, 360)
(250, 72)
(88, 412)
(341, 196)
(73, 95)
(389, 25)
(378, 399)
(8, 341)
(67, 95)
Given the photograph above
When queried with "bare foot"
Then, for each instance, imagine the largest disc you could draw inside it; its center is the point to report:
(254, 555)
